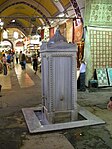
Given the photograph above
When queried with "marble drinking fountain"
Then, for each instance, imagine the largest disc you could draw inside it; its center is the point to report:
(59, 109)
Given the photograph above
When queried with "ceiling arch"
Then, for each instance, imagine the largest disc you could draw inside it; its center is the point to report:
(9, 42)
(30, 14)
(13, 3)
(25, 19)
(19, 26)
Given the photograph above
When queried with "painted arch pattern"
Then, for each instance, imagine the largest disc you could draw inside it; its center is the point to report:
(39, 11)
(32, 5)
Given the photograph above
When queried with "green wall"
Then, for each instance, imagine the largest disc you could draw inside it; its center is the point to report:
(98, 38)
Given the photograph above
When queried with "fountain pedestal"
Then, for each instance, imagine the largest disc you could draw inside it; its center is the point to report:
(59, 80)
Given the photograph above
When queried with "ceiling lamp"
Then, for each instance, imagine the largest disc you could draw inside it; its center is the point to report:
(13, 21)
(56, 0)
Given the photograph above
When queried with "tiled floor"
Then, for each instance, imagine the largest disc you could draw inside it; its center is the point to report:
(22, 76)
(5, 81)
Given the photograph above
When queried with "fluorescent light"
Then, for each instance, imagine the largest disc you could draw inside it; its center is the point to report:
(13, 21)
(61, 15)
(56, 0)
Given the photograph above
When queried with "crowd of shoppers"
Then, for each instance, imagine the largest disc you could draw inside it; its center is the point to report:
(10, 58)
(7, 61)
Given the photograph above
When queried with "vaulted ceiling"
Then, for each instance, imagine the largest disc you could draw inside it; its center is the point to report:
(31, 14)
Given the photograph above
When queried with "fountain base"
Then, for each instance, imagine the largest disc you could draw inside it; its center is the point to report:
(37, 121)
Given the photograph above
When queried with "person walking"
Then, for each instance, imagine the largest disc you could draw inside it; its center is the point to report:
(35, 63)
(20, 57)
(82, 75)
(9, 58)
(4, 60)
(12, 58)
(17, 57)
(23, 61)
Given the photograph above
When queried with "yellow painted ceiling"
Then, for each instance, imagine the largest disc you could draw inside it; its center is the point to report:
(29, 13)
(2, 1)
(48, 4)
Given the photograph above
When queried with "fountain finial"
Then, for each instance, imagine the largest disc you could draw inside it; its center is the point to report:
(57, 38)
